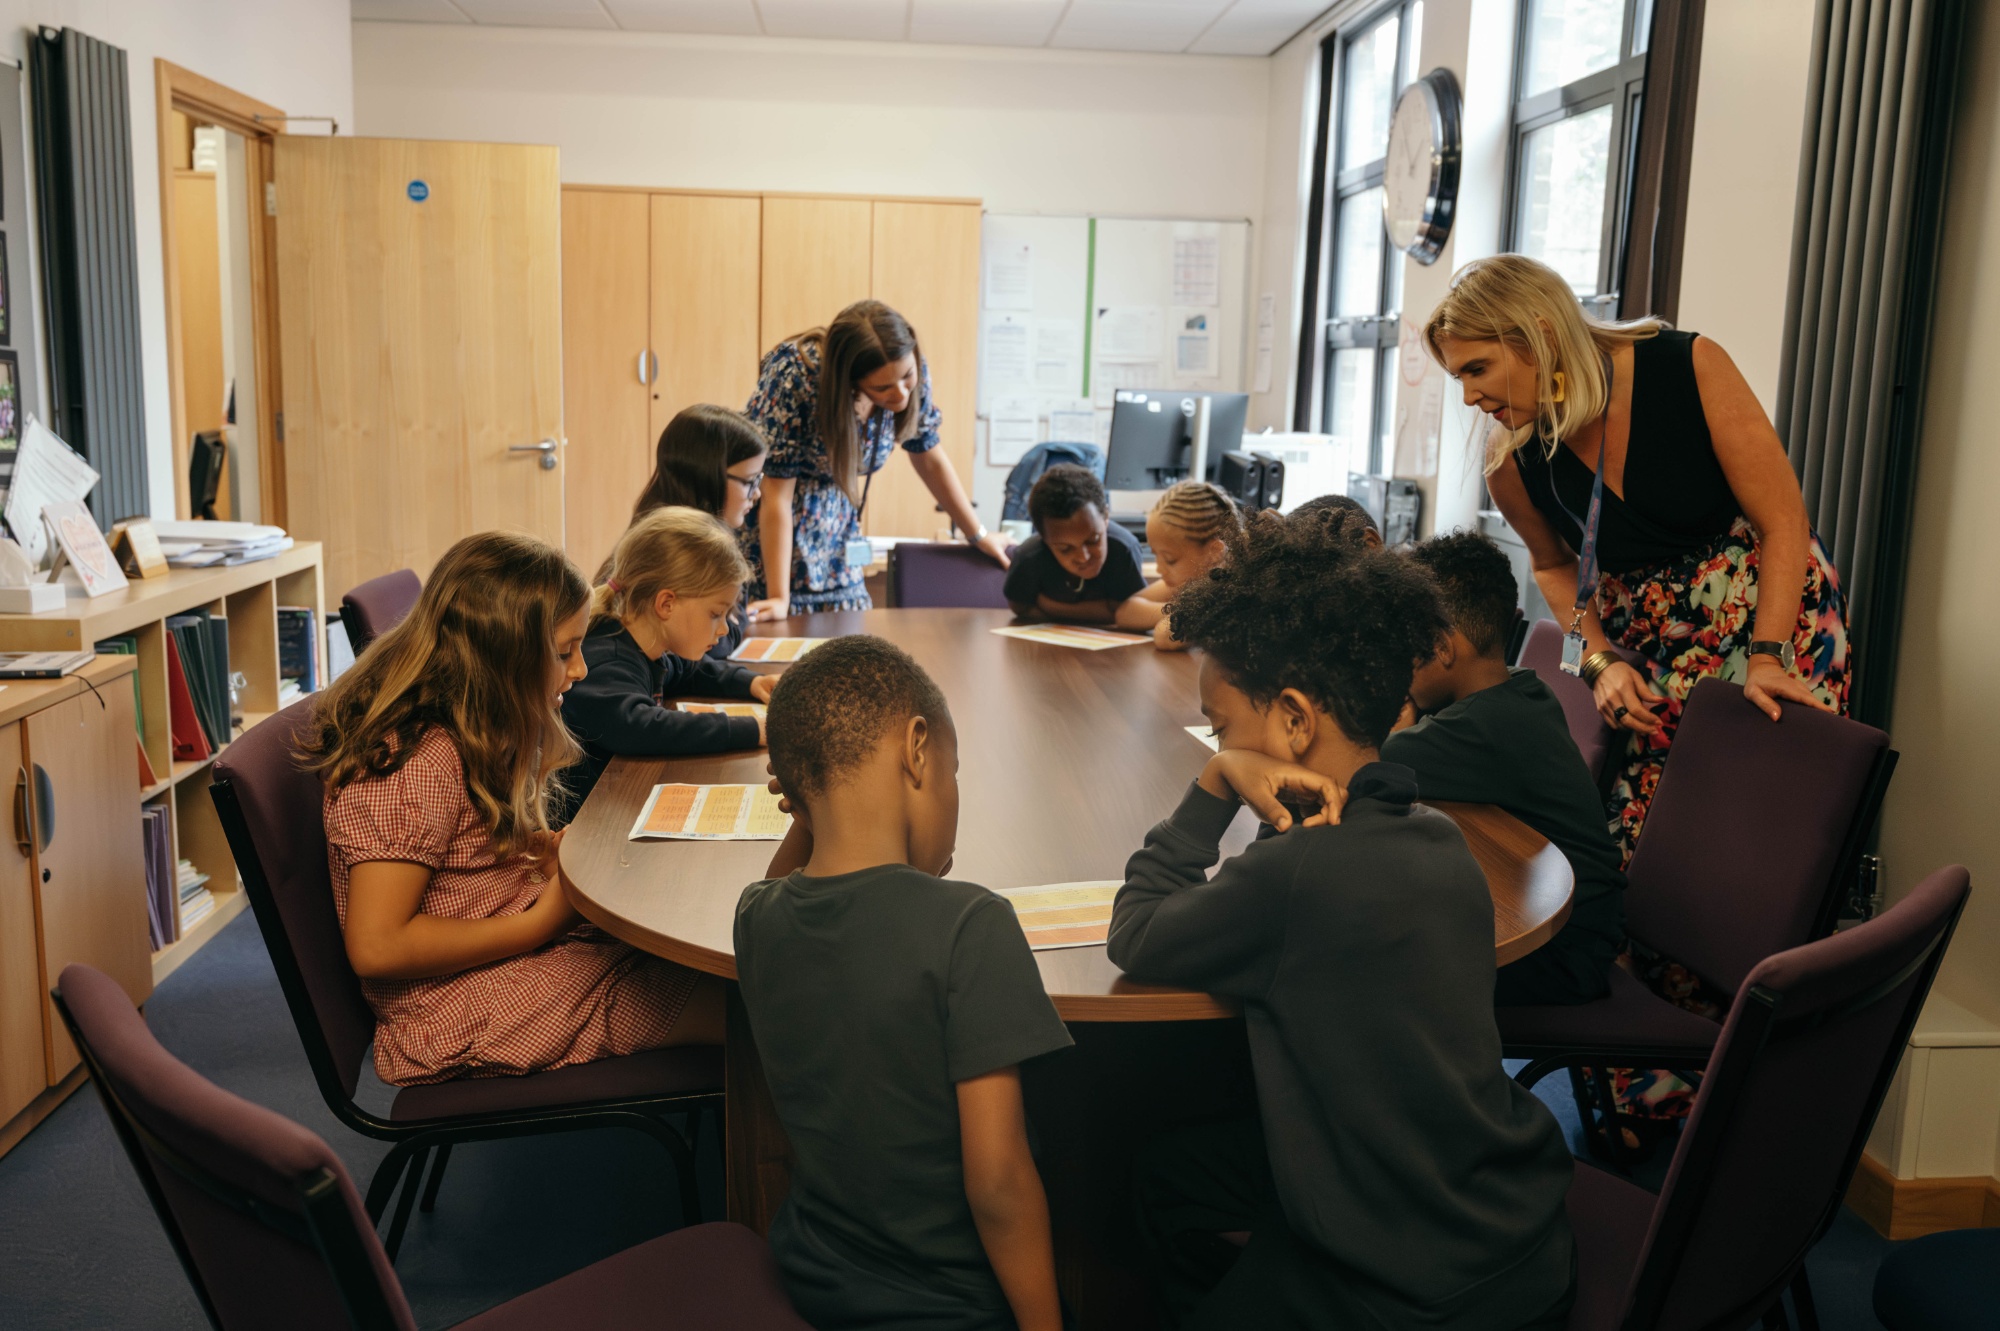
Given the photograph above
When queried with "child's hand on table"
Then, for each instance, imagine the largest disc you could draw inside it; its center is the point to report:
(1268, 785)
(760, 687)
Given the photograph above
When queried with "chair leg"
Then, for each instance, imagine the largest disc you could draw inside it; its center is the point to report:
(387, 1175)
(1607, 1113)
(1802, 1301)
(677, 1148)
(1774, 1317)
(405, 1201)
(430, 1200)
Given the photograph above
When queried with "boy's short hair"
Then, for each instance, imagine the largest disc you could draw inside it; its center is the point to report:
(1062, 490)
(1337, 520)
(1345, 626)
(1476, 584)
(832, 706)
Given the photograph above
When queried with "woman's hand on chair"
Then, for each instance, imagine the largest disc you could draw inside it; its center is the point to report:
(994, 546)
(1766, 681)
(1626, 701)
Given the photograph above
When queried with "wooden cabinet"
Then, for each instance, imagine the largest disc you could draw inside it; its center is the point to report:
(607, 367)
(816, 262)
(706, 252)
(23, 1065)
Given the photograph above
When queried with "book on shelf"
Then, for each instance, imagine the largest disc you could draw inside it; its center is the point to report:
(162, 892)
(196, 900)
(42, 665)
(127, 646)
(204, 653)
(299, 647)
(190, 742)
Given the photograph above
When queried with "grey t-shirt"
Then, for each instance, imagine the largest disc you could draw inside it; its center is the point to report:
(871, 995)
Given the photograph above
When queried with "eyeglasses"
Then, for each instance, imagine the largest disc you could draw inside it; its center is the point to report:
(747, 482)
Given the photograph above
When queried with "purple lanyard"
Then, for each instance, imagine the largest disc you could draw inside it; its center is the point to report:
(1586, 559)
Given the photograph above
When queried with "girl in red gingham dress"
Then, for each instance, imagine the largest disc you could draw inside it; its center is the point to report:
(437, 750)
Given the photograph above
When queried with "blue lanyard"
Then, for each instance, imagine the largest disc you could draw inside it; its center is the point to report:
(1587, 572)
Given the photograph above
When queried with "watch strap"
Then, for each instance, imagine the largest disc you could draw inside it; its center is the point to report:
(1781, 651)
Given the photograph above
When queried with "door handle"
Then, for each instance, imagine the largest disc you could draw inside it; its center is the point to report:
(21, 841)
(547, 448)
(45, 808)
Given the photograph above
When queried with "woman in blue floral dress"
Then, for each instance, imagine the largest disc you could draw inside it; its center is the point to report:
(834, 404)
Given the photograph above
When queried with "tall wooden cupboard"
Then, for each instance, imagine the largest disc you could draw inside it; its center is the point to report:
(671, 298)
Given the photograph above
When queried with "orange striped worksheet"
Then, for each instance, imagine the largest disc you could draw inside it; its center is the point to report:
(755, 709)
(774, 649)
(711, 813)
(1063, 914)
(1071, 635)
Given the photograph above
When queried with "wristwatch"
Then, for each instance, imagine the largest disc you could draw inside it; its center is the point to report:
(977, 536)
(1782, 650)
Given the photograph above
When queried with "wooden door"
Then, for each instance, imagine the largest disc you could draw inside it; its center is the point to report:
(704, 300)
(607, 367)
(816, 261)
(927, 267)
(198, 259)
(91, 871)
(419, 290)
(24, 1068)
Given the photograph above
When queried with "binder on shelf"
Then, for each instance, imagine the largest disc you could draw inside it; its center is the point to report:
(162, 894)
(190, 740)
(218, 655)
(298, 647)
(128, 646)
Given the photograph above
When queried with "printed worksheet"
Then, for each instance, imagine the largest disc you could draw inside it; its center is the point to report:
(1206, 734)
(1063, 914)
(755, 709)
(1072, 635)
(774, 649)
(711, 813)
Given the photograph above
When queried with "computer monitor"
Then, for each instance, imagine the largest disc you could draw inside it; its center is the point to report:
(1152, 434)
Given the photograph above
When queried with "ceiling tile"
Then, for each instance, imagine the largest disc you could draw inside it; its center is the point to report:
(840, 20)
(408, 11)
(538, 13)
(738, 17)
(1135, 25)
(1258, 27)
(984, 22)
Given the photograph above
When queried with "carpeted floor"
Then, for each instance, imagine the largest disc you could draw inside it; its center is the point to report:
(80, 1247)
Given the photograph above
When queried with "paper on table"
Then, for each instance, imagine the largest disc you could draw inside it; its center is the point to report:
(1010, 278)
(711, 813)
(46, 471)
(1011, 430)
(1059, 356)
(1064, 914)
(1071, 635)
(1075, 421)
(755, 709)
(1129, 332)
(1196, 332)
(1206, 734)
(773, 649)
(1009, 360)
(1197, 270)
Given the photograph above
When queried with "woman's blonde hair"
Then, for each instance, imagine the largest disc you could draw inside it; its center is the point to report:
(1200, 511)
(681, 550)
(1526, 304)
(474, 657)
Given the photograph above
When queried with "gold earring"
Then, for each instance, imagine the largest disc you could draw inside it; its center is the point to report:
(1559, 387)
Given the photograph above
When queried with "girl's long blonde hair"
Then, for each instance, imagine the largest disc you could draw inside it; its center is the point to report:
(681, 550)
(1526, 304)
(474, 658)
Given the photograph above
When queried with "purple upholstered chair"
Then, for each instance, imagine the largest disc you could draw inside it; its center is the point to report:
(267, 1225)
(378, 605)
(1755, 832)
(1541, 652)
(944, 574)
(1756, 1180)
(271, 813)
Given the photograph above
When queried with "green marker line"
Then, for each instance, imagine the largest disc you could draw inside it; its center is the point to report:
(1089, 303)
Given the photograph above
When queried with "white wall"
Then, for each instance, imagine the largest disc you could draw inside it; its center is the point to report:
(293, 54)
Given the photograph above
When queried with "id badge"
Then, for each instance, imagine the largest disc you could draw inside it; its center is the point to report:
(860, 554)
(1572, 662)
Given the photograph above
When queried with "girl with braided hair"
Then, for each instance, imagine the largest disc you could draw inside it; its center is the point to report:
(1189, 530)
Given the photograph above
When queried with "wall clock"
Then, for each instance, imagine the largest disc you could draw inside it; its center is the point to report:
(1420, 178)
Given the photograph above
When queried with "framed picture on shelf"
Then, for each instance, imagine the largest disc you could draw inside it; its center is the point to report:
(10, 398)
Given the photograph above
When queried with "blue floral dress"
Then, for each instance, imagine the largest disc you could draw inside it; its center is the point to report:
(824, 519)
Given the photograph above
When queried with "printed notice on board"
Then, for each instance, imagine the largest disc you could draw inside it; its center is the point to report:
(1009, 355)
(1011, 428)
(1195, 333)
(1058, 356)
(1010, 277)
(1197, 270)
(1129, 332)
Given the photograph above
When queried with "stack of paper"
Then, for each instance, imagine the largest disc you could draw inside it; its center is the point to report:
(196, 900)
(202, 544)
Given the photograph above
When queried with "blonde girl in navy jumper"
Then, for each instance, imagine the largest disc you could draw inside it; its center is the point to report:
(436, 750)
(673, 580)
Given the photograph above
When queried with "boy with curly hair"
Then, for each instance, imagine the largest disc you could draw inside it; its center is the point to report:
(1489, 734)
(1079, 566)
(1397, 1176)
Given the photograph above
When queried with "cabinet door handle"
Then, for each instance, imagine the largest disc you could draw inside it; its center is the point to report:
(21, 812)
(649, 367)
(45, 808)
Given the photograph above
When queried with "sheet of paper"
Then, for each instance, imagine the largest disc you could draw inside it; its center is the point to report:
(1197, 270)
(1058, 356)
(1197, 338)
(1074, 420)
(1064, 914)
(1113, 375)
(755, 709)
(1012, 428)
(711, 813)
(1260, 377)
(1010, 278)
(1071, 635)
(1129, 332)
(1005, 343)
(1267, 309)
(46, 471)
(773, 649)
(1206, 734)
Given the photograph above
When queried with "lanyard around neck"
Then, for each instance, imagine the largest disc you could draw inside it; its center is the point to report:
(1587, 566)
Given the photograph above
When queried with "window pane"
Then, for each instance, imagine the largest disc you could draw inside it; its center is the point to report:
(1392, 295)
(1568, 39)
(1357, 255)
(1350, 401)
(1370, 86)
(1642, 26)
(1385, 422)
(1413, 58)
(1561, 209)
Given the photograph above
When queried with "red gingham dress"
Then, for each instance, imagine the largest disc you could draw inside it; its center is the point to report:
(580, 997)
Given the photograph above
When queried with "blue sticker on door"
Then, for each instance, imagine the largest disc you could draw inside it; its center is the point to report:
(419, 191)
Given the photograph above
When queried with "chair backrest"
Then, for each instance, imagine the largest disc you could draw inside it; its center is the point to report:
(1785, 1107)
(944, 574)
(271, 811)
(1014, 503)
(378, 605)
(260, 1211)
(1754, 831)
(1542, 653)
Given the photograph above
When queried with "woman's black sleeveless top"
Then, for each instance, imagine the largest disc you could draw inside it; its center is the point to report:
(1677, 501)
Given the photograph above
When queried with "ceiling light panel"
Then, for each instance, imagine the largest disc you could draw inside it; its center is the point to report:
(1258, 27)
(732, 17)
(408, 11)
(984, 22)
(538, 13)
(1136, 25)
(848, 20)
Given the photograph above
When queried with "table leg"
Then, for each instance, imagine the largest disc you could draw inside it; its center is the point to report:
(757, 1157)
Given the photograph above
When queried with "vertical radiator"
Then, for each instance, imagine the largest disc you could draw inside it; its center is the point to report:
(83, 158)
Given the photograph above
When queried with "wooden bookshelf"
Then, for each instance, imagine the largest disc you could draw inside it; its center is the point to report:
(248, 595)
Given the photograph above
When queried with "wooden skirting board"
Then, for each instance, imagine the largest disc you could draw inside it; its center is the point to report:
(1908, 1208)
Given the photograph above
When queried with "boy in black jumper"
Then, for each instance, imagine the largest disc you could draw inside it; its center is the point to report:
(1079, 565)
(1399, 1177)
(892, 1010)
(1494, 735)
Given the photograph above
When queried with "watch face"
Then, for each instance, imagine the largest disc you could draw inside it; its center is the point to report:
(1420, 175)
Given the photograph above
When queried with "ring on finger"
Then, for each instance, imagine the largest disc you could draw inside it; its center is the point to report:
(1619, 715)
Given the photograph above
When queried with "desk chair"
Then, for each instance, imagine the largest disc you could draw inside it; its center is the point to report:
(378, 605)
(1732, 866)
(1941, 1282)
(271, 812)
(945, 574)
(1755, 1183)
(1541, 652)
(270, 1232)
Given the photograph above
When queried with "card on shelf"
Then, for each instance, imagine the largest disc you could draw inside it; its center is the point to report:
(1064, 914)
(1071, 635)
(711, 813)
(773, 649)
(83, 547)
(755, 709)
